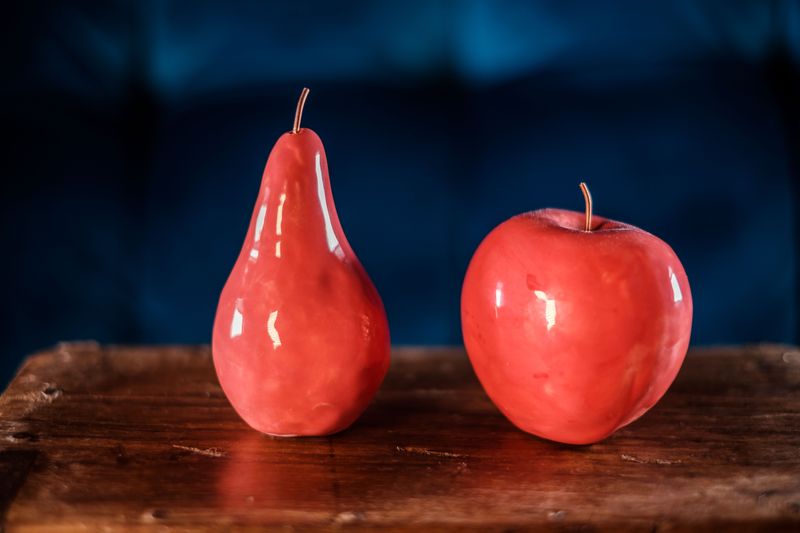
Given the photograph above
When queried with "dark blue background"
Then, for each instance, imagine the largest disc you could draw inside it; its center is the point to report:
(136, 133)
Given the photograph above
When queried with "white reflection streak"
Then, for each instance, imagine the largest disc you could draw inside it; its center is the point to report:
(273, 332)
(279, 219)
(549, 308)
(262, 213)
(498, 297)
(677, 295)
(278, 224)
(237, 321)
(333, 242)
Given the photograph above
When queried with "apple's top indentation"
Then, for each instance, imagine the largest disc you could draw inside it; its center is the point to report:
(573, 221)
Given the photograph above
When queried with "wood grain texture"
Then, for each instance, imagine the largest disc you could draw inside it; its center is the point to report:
(140, 438)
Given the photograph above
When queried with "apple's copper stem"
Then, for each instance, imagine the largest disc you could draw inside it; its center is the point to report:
(298, 115)
(587, 197)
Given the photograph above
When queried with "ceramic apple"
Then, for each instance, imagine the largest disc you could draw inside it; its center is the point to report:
(300, 341)
(575, 325)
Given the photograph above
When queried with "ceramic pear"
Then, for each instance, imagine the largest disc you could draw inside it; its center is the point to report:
(300, 341)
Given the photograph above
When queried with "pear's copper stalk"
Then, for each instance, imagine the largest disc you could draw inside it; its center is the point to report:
(587, 197)
(298, 115)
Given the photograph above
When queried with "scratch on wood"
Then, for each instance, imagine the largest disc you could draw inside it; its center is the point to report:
(348, 517)
(425, 451)
(22, 436)
(48, 393)
(153, 515)
(634, 459)
(791, 357)
(32, 400)
(208, 452)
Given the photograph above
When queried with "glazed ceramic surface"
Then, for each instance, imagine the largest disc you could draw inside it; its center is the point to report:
(574, 334)
(300, 341)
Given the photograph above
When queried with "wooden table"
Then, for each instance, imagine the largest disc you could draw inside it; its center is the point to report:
(138, 438)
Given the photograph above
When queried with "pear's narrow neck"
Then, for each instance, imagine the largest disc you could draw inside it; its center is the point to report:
(295, 202)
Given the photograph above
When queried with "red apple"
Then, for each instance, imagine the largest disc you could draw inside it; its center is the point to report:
(575, 326)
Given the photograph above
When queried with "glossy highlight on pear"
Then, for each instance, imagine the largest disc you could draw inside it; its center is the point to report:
(300, 339)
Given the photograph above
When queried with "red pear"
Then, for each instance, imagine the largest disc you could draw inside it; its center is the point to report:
(301, 340)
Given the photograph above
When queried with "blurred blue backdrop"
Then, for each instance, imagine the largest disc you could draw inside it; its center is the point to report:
(138, 131)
